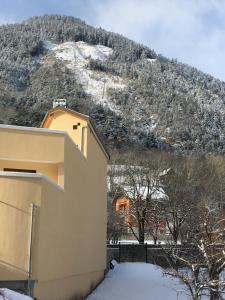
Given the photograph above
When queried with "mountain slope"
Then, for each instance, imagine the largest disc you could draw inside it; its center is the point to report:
(77, 56)
(136, 97)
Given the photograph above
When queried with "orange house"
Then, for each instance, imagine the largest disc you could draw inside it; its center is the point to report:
(123, 205)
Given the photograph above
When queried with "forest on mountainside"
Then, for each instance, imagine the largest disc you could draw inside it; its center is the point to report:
(165, 105)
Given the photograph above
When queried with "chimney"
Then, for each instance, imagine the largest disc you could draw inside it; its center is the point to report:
(59, 102)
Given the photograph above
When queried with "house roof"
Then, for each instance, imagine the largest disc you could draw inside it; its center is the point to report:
(84, 117)
(121, 180)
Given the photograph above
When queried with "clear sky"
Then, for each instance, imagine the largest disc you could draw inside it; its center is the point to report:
(193, 31)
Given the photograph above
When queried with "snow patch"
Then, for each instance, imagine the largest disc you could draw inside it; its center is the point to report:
(114, 263)
(151, 60)
(76, 56)
(149, 242)
(78, 50)
(48, 45)
(168, 130)
(6, 294)
(139, 188)
(144, 192)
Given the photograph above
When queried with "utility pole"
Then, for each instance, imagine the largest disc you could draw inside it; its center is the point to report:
(103, 92)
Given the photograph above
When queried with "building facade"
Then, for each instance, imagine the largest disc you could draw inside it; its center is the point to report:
(53, 205)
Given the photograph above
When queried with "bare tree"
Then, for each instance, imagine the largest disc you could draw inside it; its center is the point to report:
(115, 227)
(138, 180)
(177, 185)
(156, 220)
(188, 178)
(202, 263)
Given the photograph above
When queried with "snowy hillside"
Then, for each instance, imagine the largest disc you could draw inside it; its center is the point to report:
(76, 56)
(148, 100)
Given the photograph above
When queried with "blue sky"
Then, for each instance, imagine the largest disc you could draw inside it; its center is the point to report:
(193, 31)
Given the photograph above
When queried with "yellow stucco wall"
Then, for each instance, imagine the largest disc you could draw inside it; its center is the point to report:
(74, 287)
(16, 196)
(35, 150)
(73, 223)
(24, 145)
(65, 121)
(69, 243)
(50, 170)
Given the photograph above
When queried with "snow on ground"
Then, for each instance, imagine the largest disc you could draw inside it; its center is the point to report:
(6, 294)
(76, 56)
(49, 45)
(132, 281)
(149, 242)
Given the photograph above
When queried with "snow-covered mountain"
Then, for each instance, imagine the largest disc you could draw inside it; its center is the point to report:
(135, 97)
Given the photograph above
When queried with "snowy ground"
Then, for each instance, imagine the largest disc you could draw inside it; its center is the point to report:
(149, 242)
(6, 294)
(138, 281)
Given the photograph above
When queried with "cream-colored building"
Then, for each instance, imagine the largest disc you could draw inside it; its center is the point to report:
(53, 205)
